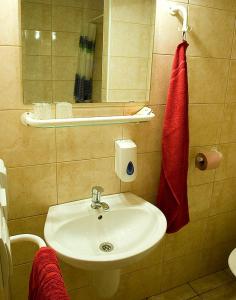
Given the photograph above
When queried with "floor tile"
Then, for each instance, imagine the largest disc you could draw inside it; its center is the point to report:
(183, 292)
(224, 292)
(210, 282)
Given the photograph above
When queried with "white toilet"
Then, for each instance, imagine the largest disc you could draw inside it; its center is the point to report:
(6, 266)
(232, 261)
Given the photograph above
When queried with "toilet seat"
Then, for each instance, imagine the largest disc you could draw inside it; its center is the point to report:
(232, 261)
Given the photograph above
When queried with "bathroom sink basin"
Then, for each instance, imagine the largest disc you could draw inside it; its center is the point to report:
(94, 239)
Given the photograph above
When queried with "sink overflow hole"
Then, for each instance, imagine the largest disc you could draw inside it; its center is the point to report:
(100, 217)
(106, 247)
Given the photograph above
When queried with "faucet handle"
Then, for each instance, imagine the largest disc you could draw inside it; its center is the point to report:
(97, 189)
(96, 196)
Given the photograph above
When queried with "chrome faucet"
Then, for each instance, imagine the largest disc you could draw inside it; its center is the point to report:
(96, 198)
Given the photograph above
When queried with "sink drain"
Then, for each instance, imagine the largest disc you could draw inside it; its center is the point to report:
(106, 247)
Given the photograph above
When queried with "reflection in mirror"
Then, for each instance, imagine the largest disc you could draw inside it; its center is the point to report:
(127, 53)
(83, 51)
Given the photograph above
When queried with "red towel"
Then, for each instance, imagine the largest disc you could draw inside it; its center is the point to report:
(172, 195)
(46, 281)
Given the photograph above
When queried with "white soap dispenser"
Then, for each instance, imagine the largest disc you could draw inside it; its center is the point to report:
(126, 160)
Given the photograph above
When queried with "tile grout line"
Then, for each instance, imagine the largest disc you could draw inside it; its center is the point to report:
(223, 283)
(52, 95)
(78, 160)
(188, 283)
(195, 291)
(216, 8)
(226, 102)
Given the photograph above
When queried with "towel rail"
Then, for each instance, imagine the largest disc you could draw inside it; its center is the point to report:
(28, 237)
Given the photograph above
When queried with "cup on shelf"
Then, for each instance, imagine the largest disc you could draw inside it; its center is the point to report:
(42, 111)
(64, 110)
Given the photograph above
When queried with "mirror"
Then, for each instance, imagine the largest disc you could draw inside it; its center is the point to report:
(84, 51)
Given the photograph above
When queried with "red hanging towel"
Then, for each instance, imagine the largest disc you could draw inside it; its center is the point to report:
(46, 281)
(172, 195)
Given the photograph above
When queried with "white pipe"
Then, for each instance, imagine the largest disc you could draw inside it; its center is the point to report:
(3, 201)
(96, 18)
(28, 238)
(28, 119)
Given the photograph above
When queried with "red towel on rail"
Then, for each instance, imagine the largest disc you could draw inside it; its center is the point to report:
(172, 195)
(46, 281)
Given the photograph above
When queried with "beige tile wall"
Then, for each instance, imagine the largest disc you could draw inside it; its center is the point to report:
(48, 166)
(50, 42)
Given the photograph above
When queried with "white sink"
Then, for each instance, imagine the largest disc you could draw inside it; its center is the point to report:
(132, 226)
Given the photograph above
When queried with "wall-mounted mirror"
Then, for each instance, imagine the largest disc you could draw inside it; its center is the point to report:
(84, 51)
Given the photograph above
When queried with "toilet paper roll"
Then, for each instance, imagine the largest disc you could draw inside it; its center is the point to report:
(208, 160)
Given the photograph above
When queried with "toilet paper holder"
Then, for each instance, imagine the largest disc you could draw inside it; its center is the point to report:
(208, 160)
